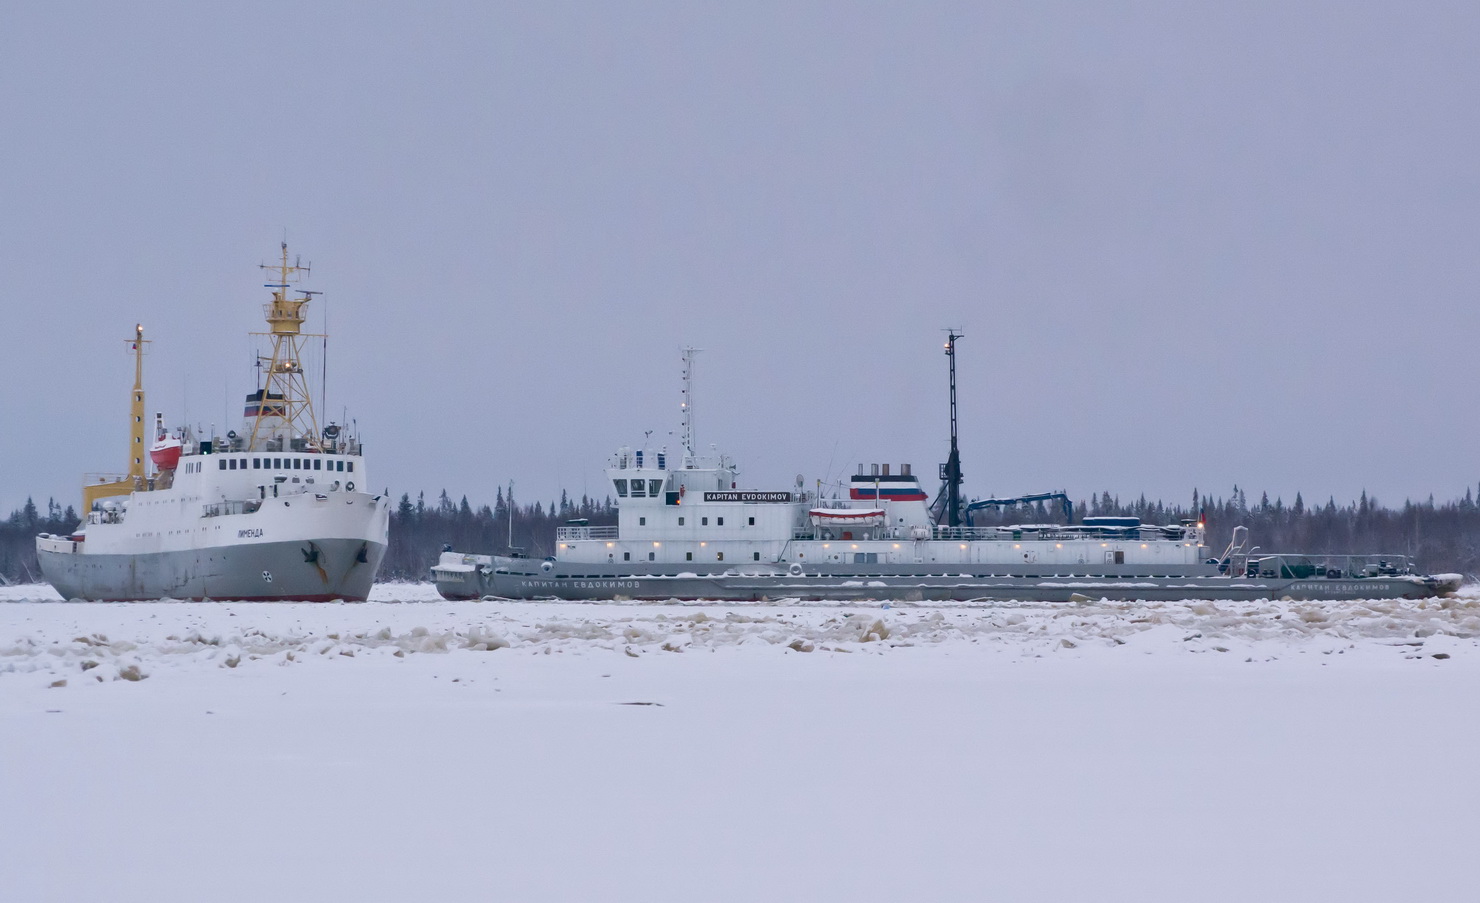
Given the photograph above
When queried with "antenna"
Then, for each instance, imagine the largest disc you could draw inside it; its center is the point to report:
(688, 399)
(324, 358)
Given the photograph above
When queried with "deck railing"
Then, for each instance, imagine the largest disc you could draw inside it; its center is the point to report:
(218, 509)
(1299, 565)
(1038, 532)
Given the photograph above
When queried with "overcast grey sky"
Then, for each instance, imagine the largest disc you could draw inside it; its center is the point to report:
(1191, 245)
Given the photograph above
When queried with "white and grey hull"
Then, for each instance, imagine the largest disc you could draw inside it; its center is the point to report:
(300, 547)
(310, 570)
(528, 579)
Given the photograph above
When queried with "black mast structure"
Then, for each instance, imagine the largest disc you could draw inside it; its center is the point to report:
(948, 503)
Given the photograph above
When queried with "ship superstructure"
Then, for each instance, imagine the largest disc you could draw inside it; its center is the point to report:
(279, 509)
(686, 529)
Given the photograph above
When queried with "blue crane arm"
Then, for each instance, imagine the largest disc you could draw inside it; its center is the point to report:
(1064, 504)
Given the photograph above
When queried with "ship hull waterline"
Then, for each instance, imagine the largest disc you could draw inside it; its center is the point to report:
(312, 570)
(844, 587)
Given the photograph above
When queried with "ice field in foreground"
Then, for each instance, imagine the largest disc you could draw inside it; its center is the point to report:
(414, 748)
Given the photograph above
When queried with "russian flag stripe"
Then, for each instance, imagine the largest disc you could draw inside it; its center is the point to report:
(911, 494)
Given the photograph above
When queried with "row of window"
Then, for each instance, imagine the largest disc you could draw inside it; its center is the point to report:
(689, 556)
(703, 521)
(285, 464)
(640, 488)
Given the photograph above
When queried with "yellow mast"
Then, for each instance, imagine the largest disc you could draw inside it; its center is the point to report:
(283, 403)
(136, 429)
(101, 486)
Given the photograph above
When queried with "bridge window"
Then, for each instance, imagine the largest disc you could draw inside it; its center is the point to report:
(655, 488)
(621, 488)
(638, 487)
(317, 464)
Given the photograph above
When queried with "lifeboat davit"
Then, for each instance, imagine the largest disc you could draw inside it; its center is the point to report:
(847, 518)
(165, 453)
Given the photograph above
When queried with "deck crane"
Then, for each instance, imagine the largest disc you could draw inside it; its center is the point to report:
(1065, 505)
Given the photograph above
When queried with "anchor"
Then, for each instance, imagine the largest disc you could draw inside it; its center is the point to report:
(311, 556)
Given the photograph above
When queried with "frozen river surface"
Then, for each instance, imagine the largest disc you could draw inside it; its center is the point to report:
(409, 748)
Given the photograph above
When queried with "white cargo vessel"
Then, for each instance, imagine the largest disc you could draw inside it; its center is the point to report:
(278, 510)
(685, 530)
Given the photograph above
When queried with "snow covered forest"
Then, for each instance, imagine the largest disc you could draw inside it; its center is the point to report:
(1441, 537)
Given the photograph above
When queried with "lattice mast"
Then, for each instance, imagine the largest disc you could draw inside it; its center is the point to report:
(949, 500)
(283, 405)
(687, 406)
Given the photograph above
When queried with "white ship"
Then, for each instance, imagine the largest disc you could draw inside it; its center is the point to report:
(686, 530)
(280, 509)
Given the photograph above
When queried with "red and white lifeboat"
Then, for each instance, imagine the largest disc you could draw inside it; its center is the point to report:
(847, 518)
(165, 453)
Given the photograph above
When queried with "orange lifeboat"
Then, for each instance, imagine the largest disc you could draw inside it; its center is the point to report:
(165, 453)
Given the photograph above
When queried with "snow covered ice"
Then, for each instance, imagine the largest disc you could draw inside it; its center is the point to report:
(409, 748)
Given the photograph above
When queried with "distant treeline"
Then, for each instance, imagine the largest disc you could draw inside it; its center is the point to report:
(18, 538)
(419, 530)
(1440, 537)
